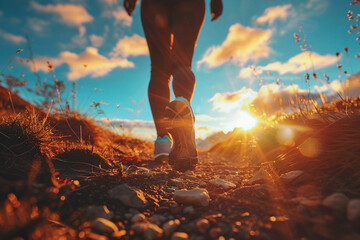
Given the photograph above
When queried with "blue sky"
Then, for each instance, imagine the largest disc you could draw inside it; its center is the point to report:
(95, 44)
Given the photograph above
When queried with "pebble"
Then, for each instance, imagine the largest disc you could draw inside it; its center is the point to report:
(308, 203)
(176, 182)
(103, 225)
(171, 225)
(261, 176)
(337, 202)
(148, 230)
(215, 232)
(189, 210)
(158, 219)
(179, 236)
(202, 225)
(292, 176)
(218, 182)
(119, 234)
(93, 212)
(144, 171)
(129, 196)
(353, 210)
(138, 218)
(197, 197)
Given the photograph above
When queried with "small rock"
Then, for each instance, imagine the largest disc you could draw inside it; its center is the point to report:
(91, 213)
(215, 232)
(202, 184)
(175, 208)
(202, 225)
(261, 176)
(119, 234)
(189, 210)
(171, 225)
(353, 210)
(308, 203)
(189, 173)
(138, 218)
(337, 202)
(178, 182)
(148, 230)
(129, 196)
(292, 176)
(103, 225)
(145, 171)
(197, 197)
(179, 236)
(157, 219)
(218, 182)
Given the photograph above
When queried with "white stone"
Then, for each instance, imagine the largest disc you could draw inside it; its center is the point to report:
(148, 230)
(353, 210)
(291, 176)
(202, 225)
(129, 196)
(197, 197)
(138, 218)
(103, 225)
(218, 182)
(93, 212)
(179, 236)
(337, 202)
(171, 225)
(261, 176)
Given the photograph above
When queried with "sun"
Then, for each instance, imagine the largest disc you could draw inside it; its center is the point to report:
(241, 119)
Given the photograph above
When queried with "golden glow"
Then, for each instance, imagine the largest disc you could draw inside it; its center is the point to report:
(241, 119)
(310, 148)
(285, 135)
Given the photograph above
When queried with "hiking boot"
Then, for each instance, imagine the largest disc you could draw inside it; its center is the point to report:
(180, 121)
(162, 148)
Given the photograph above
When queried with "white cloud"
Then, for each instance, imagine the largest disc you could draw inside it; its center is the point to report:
(317, 5)
(241, 45)
(96, 40)
(80, 39)
(122, 17)
(229, 101)
(89, 63)
(273, 13)
(299, 63)
(1, 13)
(110, 2)
(71, 14)
(37, 24)
(11, 37)
(130, 46)
(135, 128)
(205, 118)
(273, 98)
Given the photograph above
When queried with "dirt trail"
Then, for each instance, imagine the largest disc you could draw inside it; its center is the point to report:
(266, 210)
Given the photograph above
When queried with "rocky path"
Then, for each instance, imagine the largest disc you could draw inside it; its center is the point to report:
(217, 200)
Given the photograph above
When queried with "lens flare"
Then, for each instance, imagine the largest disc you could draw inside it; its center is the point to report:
(241, 119)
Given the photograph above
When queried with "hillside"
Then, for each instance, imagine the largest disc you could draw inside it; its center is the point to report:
(62, 176)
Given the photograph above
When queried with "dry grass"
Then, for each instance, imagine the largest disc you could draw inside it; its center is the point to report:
(330, 155)
(25, 148)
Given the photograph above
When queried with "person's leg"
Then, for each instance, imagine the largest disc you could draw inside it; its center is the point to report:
(155, 21)
(187, 17)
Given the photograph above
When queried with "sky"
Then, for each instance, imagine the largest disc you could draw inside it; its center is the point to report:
(254, 52)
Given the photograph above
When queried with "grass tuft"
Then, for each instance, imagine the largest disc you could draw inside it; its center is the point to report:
(25, 148)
